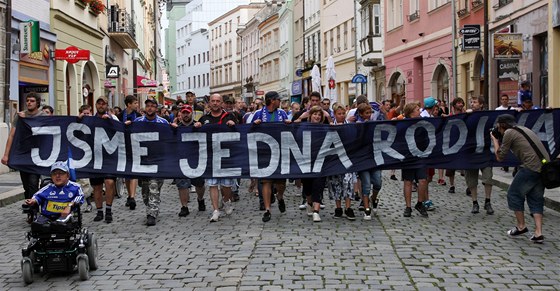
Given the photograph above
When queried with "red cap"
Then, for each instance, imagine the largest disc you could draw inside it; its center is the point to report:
(187, 108)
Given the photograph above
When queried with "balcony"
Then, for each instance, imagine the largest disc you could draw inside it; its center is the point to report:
(502, 3)
(462, 12)
(121, 28)
(413, 16)
(477, 4)
(367, 43)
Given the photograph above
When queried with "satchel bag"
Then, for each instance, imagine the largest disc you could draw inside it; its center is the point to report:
(550, 171)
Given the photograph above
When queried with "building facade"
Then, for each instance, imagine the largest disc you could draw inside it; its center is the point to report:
(311, 42)
(418, 49)
(269, 49)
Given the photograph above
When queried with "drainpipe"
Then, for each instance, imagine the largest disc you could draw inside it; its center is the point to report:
(8, 61)
(486, 54)
(454, 52)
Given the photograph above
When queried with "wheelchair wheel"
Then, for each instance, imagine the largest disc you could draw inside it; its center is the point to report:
(83, 267)
(27, 270)
(36, 266)
(91, 251)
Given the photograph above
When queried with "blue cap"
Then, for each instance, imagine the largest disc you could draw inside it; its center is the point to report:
(59, 166)
(429, 102)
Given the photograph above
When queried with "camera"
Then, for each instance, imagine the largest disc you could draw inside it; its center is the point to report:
(496, 133)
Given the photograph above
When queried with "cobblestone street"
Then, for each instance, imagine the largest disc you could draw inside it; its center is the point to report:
(452, 249)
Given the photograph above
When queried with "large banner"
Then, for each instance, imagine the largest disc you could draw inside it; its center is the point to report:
(102, 147)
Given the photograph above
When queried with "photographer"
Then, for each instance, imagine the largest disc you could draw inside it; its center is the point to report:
(527, 182)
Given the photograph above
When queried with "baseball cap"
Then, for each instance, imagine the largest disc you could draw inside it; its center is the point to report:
(229, 99)
(103, 98)
(151, 100)
(271, 95)
(429, 102)
(187, 108)
(59, 166)
(506, 118)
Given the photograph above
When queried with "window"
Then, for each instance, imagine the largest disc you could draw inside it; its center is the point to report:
(345, 25)
(395, 9)
(377, 19)
(414, 6)
(437, 3)
(338, 38)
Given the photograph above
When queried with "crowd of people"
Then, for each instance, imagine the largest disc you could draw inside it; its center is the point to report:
(364, 186)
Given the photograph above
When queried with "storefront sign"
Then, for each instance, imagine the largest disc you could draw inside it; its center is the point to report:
(296, 87)
(71, 54)
(471, 36)
(112, 72)
(36, 89)
(145, 82)
(359, 78)
(29, 37)
(110, 83)
(39, 58)
(508, 70)
(508, 45)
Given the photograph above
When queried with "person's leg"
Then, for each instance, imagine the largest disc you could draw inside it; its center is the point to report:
(131, 185)
(109, 191)
(214, 197)
(30, 183)
(407, 189)
(280, 188)
(266, 192)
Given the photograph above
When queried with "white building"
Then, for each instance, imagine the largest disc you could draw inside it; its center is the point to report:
(286, 42)
(190, 44)
(311, 40)
(225, 51)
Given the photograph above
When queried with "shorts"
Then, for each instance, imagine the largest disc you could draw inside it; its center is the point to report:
(187, 183)
(224, 182)
(526, 185)
(414, 174)
(471, 176)
(100, 181)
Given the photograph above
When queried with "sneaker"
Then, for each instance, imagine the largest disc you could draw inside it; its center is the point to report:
(337, 212)
(393, 177)
(429, 205)
(201, 205)
(374, 204)
(127, 204)
(367, 214)
(421, 209)
(350, 214)
(537, 239)
(184, 211)
(215, 216)
(475, 209)
(281, 205)
(108, 217)
(488, 208)
(468, 192)
(235, 197)
(441, 182)
(357, 196)
(132, 204)
(261, 206)
(228, 208)
(516, 231)
(151, 221)
(316, 217)
(407, 212)
(266, 216)
(310, 210)
(322, 206)
(99, 216)
(89, 208)
(361, 207)
(451, 189)
(303, 205)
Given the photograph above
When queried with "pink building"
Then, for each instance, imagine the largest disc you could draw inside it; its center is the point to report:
(418, 49)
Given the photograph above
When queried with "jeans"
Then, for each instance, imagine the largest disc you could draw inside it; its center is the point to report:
(370, 177)
(526, 184)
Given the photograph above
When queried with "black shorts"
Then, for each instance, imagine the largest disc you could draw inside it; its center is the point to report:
(99, 181)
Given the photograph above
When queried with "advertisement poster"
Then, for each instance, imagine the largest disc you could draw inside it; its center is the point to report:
(507, 45)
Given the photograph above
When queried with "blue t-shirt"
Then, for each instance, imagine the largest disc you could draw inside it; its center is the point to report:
(158, 119)
(52, 199)
(264, 115)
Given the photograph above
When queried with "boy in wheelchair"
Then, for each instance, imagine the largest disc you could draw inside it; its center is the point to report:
(57, 241)
(56, 200)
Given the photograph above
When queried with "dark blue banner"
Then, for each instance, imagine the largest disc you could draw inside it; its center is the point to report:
(105, 147)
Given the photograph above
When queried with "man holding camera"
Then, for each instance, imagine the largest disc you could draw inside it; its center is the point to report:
(527, 183)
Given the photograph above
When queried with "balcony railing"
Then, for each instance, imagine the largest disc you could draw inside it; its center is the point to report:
(462, 12)
(121, 28)
(476, 4)
(502, 3)
(413, 16)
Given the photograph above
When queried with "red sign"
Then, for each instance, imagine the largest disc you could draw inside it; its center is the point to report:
(259, 92)
(145, 82)
(331, 84)
(71, 54)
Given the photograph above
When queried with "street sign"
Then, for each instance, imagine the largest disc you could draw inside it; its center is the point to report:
(112, 72)
(71, 54)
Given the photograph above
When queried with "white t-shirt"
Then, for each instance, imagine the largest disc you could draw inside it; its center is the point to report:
(503, 108)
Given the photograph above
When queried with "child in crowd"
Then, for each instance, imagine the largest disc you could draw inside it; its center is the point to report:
(342, 186)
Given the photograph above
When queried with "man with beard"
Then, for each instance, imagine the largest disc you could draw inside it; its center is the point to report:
(217, 115)
(151, 187)
(29, 181)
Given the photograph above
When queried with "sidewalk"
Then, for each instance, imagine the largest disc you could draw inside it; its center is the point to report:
(11, 190)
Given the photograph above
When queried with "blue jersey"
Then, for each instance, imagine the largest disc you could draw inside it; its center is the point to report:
(277, 115)
(158, 119)
(52, 199)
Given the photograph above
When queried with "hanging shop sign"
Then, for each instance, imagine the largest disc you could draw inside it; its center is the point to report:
(471, 36)
(71, 54)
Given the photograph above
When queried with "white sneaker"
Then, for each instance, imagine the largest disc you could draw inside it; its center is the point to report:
(316, 217)
(322, 206)
(215, 216)
(303, 205)
(309, 210)
(367, 214)
(228, 207)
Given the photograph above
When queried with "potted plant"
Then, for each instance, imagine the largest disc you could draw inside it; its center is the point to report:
(96, 7)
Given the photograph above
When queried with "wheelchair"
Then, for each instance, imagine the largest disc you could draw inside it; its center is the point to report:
(58, 246)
